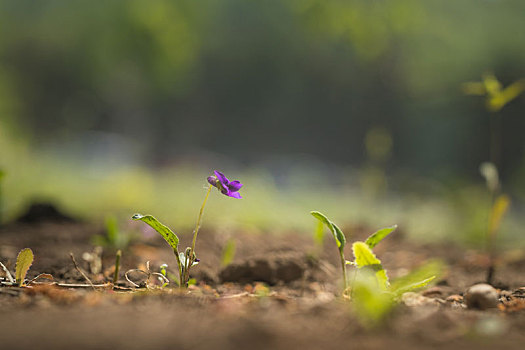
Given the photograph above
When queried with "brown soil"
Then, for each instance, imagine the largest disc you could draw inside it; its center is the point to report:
(297, 307)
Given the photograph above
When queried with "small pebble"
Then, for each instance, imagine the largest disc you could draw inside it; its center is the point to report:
(481, 296)
(455, 298)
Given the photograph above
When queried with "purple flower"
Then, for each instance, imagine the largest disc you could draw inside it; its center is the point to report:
(227, 187)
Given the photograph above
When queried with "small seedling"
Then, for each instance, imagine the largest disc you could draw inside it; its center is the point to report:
(365, 260)
(24, 261)
(373, 294)
(114, 237)
(497, 97)
(187, 259)
(339, 238)
(500, 204)
(164, 272)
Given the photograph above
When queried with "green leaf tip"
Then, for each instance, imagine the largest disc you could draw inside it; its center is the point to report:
(23, 262)
(378, 236)
(168, 235)
(339, 236)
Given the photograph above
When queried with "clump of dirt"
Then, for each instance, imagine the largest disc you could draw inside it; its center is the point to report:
(271, 269)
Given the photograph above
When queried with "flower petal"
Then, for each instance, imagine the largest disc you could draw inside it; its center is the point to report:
(234, 195)
(223, 179)
(234, 186)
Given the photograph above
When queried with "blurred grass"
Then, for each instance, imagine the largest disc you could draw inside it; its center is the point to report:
(175, 194)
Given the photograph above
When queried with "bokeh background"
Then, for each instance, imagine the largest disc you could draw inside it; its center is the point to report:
(353, 108)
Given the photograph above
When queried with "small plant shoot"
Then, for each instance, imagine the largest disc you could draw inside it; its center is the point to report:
(373, 295)
(371, 291)
(339, 238)
(497, 97)
(23, 263)
(187, 259)
(114, 237)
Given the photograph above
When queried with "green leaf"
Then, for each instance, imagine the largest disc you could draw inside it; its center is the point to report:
(416, 285)
(165, 232)
(365, 258)
(370, 303)
(418, 278)
(23, 262)
(339, 237)
(499, 208)
(228, 252)
(378, 236)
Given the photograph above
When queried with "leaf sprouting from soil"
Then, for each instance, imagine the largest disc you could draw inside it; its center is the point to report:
(165, 232)
(378, 236)
(23, 262)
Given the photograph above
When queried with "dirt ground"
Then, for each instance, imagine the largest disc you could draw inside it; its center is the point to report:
(273, 295)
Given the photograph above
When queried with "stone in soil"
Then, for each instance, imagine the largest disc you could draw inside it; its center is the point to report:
(481, 296)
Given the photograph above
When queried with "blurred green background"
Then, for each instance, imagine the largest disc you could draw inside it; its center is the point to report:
(353, 108)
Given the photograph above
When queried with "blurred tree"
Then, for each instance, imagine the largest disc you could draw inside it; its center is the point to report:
(254, 79)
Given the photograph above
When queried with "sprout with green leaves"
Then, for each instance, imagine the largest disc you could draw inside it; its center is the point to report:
(500, 203)
(373, 282)
(339, 238)
(496, 97)
(187, 259)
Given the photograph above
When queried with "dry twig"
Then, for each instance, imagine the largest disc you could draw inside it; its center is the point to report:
(81, 272)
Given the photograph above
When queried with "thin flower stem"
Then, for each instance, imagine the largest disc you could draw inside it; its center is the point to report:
(189, 259)
(198, 226)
